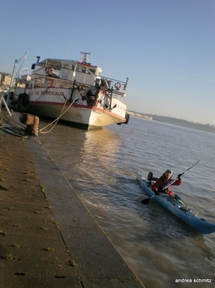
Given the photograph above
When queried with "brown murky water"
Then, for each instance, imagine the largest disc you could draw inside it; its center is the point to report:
(102, 166)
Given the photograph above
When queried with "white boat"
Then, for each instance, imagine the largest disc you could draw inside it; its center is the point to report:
(73, 91)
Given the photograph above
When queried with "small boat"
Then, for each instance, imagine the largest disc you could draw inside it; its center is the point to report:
(72, 91)
(176, 206)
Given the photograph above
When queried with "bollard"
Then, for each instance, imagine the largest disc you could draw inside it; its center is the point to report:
(32, 123)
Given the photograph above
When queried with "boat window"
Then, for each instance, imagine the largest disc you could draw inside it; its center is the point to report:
(57, 73)
(38, 82)
(92, 70)
(52, 71)
(49, 83)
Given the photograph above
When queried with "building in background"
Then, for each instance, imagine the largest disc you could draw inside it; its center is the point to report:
(5, 80)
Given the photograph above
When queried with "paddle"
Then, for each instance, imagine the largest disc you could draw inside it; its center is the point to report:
(146, 201)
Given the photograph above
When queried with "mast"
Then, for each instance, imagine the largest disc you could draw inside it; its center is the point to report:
(84, 57)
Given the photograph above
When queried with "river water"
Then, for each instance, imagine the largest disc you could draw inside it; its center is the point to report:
(101, 166)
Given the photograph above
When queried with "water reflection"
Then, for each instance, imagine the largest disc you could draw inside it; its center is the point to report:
(101, 146)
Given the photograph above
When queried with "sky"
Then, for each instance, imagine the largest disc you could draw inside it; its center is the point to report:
(165, 47)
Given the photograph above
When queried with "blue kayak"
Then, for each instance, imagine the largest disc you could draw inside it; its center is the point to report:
(176, 206)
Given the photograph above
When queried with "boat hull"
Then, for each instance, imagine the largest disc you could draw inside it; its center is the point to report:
(81, 116)
(178, 209)
(76, 112)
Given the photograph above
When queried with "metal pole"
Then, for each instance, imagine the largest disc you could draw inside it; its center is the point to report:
(3, 100)
(11, 81)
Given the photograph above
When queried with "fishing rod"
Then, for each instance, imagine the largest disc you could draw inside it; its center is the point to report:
(173, 180)
(146, 201)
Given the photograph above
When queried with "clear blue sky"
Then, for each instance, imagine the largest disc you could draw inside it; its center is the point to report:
(165, 47)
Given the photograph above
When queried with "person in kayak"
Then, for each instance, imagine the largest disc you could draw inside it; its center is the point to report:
(151, 179)
(163, 180)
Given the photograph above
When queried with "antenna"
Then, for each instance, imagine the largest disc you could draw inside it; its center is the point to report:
(84, 56)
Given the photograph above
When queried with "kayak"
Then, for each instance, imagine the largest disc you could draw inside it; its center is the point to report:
(176, 206)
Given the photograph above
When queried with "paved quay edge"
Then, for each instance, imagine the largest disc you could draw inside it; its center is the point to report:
(48, 237)
(98, 262)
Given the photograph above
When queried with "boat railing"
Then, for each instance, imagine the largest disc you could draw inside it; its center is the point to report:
(116, 85)
(118, 93)
(78, 71)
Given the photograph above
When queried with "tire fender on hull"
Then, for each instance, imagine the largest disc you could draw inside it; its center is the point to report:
(127, 117)
(23, 100)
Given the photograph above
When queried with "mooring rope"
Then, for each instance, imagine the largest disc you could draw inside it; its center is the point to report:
(55, 121)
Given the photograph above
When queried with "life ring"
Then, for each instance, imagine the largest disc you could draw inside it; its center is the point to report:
(127, 117)
(117, 85)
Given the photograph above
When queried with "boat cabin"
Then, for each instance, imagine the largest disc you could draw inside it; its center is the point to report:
(67, 70)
